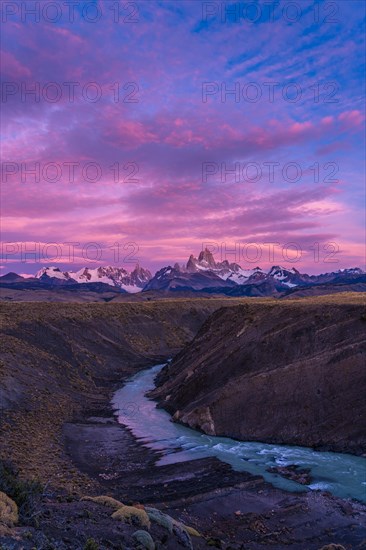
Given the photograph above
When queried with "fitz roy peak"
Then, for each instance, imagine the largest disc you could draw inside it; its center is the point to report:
(204, 273)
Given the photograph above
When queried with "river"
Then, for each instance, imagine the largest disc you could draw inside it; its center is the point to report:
(343, 475)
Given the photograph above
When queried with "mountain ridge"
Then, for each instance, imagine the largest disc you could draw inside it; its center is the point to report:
(198, 274)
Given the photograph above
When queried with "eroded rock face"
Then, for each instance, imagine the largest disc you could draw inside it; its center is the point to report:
(199, 418)
(285, 372)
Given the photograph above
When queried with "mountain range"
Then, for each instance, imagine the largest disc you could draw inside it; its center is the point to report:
(202, 274)
(113, 276)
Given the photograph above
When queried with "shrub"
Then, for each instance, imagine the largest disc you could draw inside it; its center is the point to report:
(131, 514)
(186, 528)
(106, 501)
(26, 494)
(168, 522)
(8, 510)
(191, 531)
(91, 545)
(144, 539)
(160, 518)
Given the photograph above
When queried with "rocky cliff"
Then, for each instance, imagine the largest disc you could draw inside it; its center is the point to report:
(289, 372)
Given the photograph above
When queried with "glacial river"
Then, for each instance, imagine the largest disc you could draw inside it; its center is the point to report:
(342, 475)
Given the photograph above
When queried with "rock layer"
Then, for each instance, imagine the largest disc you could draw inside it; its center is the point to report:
(289, 372)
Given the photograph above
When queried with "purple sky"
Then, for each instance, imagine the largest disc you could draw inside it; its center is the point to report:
(164, 119)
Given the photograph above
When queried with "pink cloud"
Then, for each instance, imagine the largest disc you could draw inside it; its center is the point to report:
(127, 133)
(12, 67)
(351, 119)
(170, 132)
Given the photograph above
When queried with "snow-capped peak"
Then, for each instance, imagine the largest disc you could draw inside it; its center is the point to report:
(114, 276)
(53, 271)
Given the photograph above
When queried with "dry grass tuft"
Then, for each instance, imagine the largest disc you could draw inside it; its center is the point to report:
(131, 514)
(105, 501)
(8, 511)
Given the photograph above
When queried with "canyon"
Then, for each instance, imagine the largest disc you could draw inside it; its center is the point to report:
(61, 365)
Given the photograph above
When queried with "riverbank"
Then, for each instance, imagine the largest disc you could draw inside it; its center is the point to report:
(228, 508)
(286, 467)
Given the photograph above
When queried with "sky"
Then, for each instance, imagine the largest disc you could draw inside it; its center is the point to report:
(145, 131)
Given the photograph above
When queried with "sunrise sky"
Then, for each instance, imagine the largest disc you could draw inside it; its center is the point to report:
(161, 69)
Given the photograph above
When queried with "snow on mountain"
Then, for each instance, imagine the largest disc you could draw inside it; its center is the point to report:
(53, 272)
(205, 272)
(352, 271)
(113, 276)
(289, 277)
(225, 270)
(198, 274)
(241, 275)
(280, 273)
